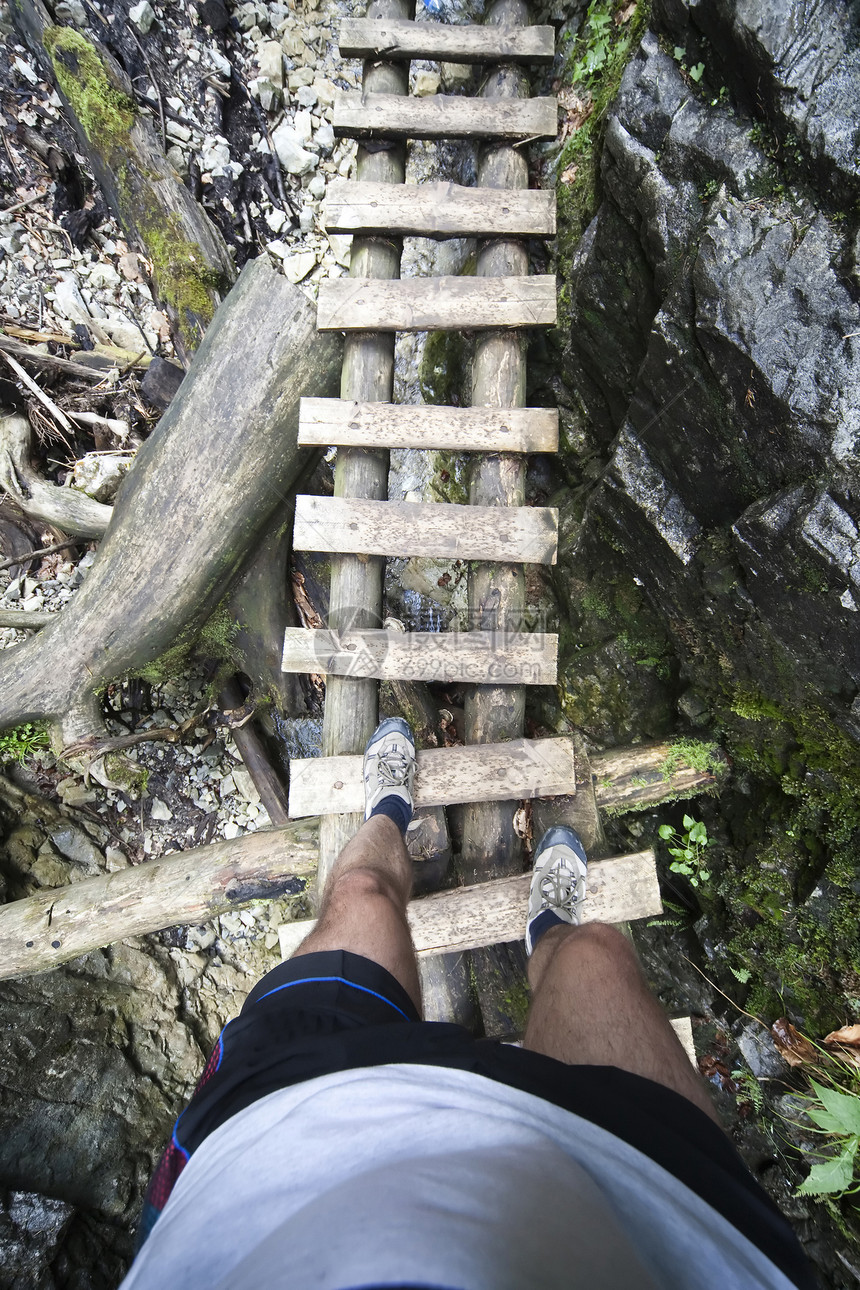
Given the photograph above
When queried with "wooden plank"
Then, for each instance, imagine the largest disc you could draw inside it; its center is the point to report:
(438, 210)
(628, 779)
(489, 913)
(503, 657)
(525, 534)
(323, 422)
(463, 43)
(441, 116)
(519, 769)
(436, 304)
(683, 1028)
(59, 924)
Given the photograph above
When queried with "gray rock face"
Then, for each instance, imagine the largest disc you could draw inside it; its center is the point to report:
(714, 349)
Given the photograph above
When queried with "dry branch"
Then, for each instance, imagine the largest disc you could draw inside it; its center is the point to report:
(191, 508)
(64, 508)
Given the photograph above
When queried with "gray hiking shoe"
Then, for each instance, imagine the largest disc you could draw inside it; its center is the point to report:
(558, 883)
(389, 765)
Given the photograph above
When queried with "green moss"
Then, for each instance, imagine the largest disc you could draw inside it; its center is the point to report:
(185, 281)
(450, 482)
(516, 1004)
(105, 112)
(132, 778)
(700, 754)
(213, 642)
(444, 373)
(579, 162)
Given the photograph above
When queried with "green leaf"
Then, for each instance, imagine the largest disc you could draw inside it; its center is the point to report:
(689, 822)
(679, 51)
(698, 833)
(741, 974)
(666, 831)
(845, 1107)
(697, 72)
(832, 1176)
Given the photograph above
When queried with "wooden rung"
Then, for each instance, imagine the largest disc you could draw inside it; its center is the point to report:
(495, 658)
(683, 1028)
(442, 116)
(371, 38)
(491, 913)
(438, 210)
(519, 769)
(344, 423)
(436, 304)
(349, 526)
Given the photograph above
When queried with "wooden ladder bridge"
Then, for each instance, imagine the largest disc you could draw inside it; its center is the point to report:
(498, 769)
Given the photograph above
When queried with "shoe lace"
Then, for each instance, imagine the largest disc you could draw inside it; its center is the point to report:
(559, 889)
(392, 768)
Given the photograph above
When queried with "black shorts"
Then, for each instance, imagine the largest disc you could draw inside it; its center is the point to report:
(335, 1011)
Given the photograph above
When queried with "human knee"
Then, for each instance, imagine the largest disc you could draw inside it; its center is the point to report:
(361, 885)
(601, 943)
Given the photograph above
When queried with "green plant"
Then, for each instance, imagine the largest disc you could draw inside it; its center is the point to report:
(697, 72)
(18, 744)
(749, 1088)
(677, 918)
(594, 41)
(835, 1109)
(688, 849)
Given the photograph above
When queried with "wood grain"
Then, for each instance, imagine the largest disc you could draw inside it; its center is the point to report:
(489, 913)
(438, 210)
(527, 534)
(505, 658)
(323, 422)
(463, 43)
(194, 886)
(441, 116)
(436, 304)
(626, 779)
(521, 769)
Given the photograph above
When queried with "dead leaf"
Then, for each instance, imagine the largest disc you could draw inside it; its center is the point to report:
(569, 175)
(716, 1072)
(625, 14)
(575, 112)
(846, 1043)
(794, 1047)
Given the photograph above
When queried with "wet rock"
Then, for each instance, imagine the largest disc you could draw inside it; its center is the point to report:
(759, 1053)
(31, 1227)
(214, 14)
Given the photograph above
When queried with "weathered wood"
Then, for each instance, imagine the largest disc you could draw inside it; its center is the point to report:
(170, 553)
(246, 737)
(51, 363)
(65, 508)
(441, 116)
(438, 210)
(191, 266)
(323, 422)
(351, 707)
(488, 913)
(436, 304)
(497, 593)
(528, 534)
(59, 924)
(462, 43)
(521, 769)
(683, 1028)
(627, 779)
(23, 621)
(510, 658)
(578, 812)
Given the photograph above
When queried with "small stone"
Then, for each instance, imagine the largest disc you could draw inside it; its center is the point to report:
(77, 795)
(324, 137)
(270, 60)
(292, 156)
(316, 187)
(142, 15)
(115, 859)
(99, 475)
(455, 76)
(226, 786)
(297, 267)
(231, 830)
(306, 219)
(426, 83)
(160, 382)
(306, 96)
(292, 43)
(175, 130)
(71, 13)
(341, 245)
(160, 810)
(301, 76)
(103, 276)
(303, 126)
(129, 267)
(326, 92)
(276, 219)
(245, 785)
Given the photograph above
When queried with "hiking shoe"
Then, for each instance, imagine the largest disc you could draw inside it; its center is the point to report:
(389, 771)
(558, 883)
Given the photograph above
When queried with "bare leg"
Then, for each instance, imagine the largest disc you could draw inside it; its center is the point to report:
(591, 1006)
(364, 904)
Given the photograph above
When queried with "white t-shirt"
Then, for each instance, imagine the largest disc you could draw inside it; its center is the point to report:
(409, 1175)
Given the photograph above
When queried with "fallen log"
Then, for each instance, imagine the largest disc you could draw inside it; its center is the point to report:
(64, 508)
(42, 931)
(191, 266)
(201, 490)
(45, 930)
